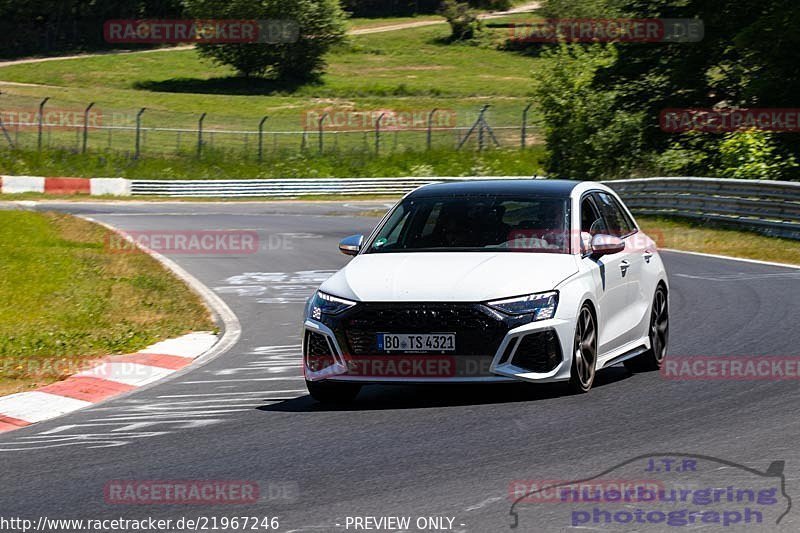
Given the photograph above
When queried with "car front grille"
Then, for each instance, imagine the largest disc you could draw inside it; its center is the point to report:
(478, 329)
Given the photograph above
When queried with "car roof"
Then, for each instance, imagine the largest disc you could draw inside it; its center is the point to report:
(524, 187)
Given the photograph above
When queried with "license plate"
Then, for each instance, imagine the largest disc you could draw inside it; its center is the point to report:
(416, 342)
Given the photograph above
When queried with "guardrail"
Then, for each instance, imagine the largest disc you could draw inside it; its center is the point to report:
(770, 207)
(283, 188)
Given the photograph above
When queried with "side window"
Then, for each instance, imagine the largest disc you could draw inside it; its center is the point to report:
(617, 223)
(591, 221)
(397, 224)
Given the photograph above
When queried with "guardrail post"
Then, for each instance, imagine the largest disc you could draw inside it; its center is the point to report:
(137, 150)
(261, 138)
(430, 127)
(524, 132)
(86, 126)
(378, 134)
(319, 129)
(41, 120)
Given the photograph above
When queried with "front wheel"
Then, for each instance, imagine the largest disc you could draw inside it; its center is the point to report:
(584, 352)
(653, 358)
(331, 392)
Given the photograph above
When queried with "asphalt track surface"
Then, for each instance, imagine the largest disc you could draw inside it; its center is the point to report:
(405, 451)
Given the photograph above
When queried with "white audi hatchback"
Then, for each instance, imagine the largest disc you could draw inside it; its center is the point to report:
(485, 281)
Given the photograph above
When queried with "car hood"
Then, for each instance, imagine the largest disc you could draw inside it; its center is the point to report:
(449, 276)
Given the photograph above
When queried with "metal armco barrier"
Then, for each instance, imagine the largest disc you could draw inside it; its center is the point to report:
(770, 207)
(283, 188)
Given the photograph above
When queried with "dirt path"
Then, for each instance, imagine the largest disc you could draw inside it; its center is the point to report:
(523, 8)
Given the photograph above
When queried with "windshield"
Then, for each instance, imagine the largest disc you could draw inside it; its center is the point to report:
(475, 224)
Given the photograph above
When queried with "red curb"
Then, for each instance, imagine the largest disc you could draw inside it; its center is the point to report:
(8, 423)
(87, 388)
(173, 362)
(67, 186)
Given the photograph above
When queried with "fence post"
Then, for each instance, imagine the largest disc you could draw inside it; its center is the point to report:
(138, 132)
(261, 138)
(41, 119)
(5, 133)
(524, 133)
(378, 134)
(480, 128)
(200, 135)
(86, 126)
(430, 126)
(319, 129)
(469, 133)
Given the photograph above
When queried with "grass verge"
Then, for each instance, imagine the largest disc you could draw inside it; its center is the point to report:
(231, 165)
(67, 298)
(693, 236)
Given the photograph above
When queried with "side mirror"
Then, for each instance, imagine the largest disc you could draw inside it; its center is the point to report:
(351, 245)
(606, 245)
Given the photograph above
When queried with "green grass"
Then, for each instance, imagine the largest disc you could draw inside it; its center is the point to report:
(66, 297)
(403, 70)
(694, 236)
(224, 165)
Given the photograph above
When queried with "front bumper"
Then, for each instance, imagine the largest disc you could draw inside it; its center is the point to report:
(490, 346)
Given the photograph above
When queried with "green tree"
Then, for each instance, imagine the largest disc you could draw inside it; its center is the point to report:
(463, 20)
(321, 23)
(742, 61)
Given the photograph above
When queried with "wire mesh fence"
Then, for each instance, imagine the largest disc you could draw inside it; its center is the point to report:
(55, 123)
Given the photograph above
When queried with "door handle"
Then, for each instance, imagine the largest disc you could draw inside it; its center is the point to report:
(624, 266)
(648, 255)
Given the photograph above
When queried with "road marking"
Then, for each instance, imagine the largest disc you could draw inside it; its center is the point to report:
(742, 276)
(277, 287)
(729, 258)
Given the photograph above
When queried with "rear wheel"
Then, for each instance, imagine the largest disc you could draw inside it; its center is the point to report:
(584, 352)
(332, 392)
(659, 336)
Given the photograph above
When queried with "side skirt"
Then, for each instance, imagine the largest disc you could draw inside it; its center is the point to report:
(640, 346)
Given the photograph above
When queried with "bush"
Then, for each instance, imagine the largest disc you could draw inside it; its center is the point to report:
(753, 155)
(464, 22)
(587, 136)
(321, 25)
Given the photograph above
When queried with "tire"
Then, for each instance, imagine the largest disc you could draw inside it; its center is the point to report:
(584, 352)
(331, 392)
(653, 359)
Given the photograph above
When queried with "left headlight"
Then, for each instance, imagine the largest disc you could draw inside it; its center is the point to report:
(325, 304)
(542, 305)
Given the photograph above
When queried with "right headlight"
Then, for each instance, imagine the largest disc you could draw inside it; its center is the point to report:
(540, 305)
(326, 304)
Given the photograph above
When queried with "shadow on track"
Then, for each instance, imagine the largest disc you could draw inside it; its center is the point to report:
(385, 397)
